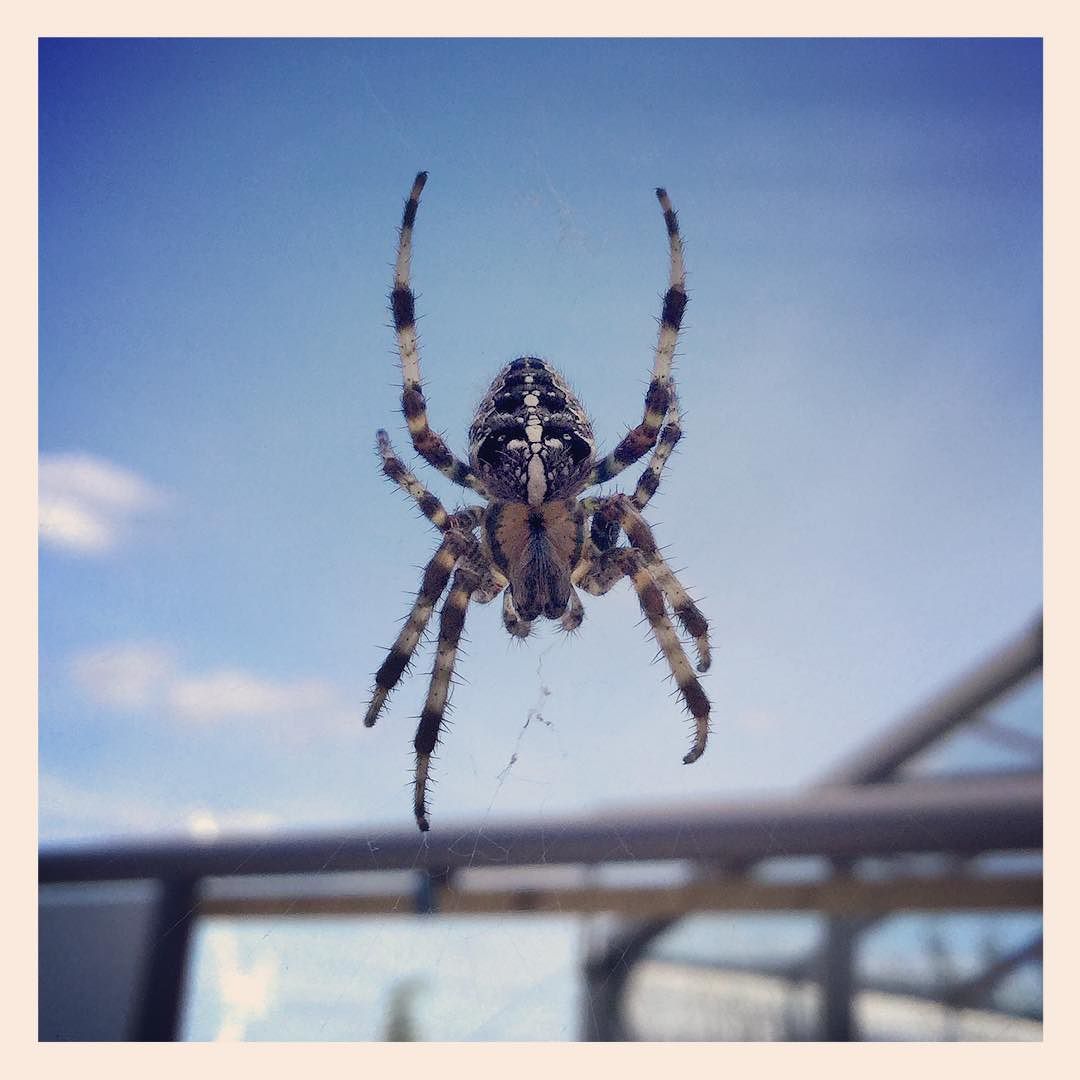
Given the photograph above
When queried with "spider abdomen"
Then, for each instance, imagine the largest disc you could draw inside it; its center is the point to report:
(531, 440)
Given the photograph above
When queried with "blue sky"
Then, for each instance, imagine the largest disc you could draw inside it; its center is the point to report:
(857, 499)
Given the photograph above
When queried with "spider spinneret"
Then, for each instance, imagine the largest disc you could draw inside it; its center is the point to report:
(531, 455)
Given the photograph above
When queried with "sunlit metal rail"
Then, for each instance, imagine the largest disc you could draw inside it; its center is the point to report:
(836, 896)
(963, 815)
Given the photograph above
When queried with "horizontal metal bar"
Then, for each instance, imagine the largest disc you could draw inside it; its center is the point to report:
(840, 896)
(959, 815)
(898, 988)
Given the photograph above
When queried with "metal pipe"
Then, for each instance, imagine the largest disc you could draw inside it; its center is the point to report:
(961, 815)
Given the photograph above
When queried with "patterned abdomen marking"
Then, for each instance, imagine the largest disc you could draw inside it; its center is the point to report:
(530, 439)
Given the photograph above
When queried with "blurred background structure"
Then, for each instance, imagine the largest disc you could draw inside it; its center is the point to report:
(898, 830)
(226, 853)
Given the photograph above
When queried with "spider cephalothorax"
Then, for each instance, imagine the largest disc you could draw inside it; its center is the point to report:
(531, 455)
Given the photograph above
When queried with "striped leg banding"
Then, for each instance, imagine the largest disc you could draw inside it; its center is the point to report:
(652, 604)
(401, 475)
(669, 439)
(638, 441)
(428, 444)
(622, 509)
(436, 574)
(451, 623)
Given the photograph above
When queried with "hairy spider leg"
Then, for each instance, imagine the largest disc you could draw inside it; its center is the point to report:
(620, 508)
(429, 445)
(399, 472)
(640, 439)
(605, 533)
(492, 581)
(574, 614)
(599, 572)
(669, 438)
(512, 620)
(607, 569)
(466, 519)
(436, 574)
(451, 623)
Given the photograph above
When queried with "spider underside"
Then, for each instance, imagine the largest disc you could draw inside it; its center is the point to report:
(534, 540)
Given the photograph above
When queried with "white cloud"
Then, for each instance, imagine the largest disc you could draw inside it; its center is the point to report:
(124, 676)
(145, 676)
(87, 506)
(64, 523)
(223, 695)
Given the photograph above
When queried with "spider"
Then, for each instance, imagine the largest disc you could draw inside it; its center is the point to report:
(531, 455)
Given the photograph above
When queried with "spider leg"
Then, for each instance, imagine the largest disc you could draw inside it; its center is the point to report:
(465, 520)
(603, 573)
(634, 566)
(574, 614)
(451, 623)
(492, 582)
(621, 508)
(657, 398)
(686, 611)
(436, 574)
(669, 438)
(604, 530)
(401, 475)
(429, 445)
(468, 518)
(514, 623)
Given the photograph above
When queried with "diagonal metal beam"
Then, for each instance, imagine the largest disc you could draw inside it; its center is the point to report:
(879, 761)
(957, 704)
(974, 991)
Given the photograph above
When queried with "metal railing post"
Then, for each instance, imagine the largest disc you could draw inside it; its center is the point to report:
(158, 1017)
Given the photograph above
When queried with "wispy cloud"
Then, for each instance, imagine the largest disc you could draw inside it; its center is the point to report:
(146, 676)
(88, 506)
(69, 811)
(223, 695)
(133, 676)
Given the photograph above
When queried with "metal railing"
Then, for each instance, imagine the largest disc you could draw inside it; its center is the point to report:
(851, 815)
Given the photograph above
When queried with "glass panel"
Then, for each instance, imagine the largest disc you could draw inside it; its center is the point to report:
(369, 979)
